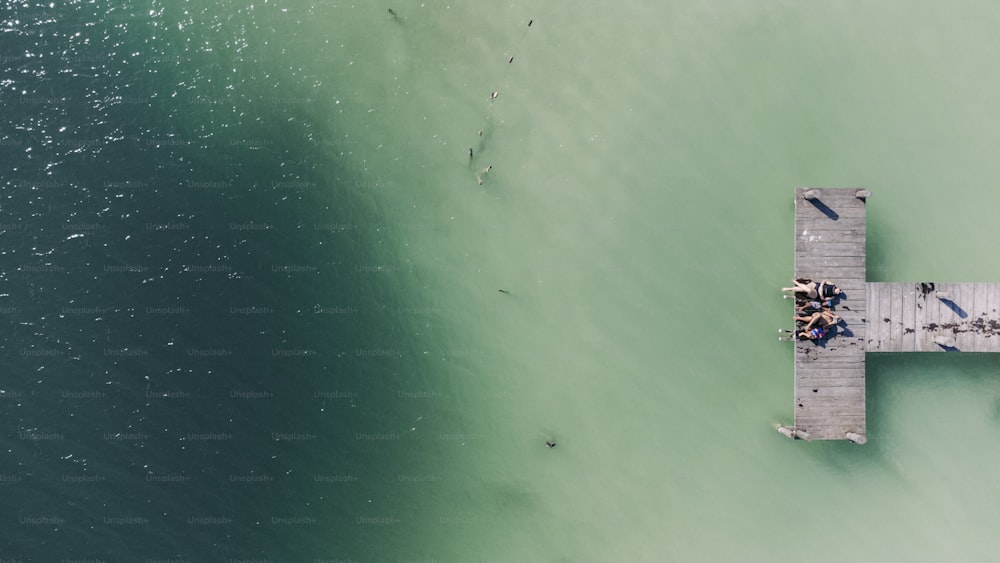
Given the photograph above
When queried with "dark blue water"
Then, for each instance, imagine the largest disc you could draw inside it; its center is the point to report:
(198, 346)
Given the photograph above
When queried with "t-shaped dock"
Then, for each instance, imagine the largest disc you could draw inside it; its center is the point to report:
(877, 317)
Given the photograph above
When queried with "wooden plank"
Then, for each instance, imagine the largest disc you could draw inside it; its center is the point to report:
(966, 303)
(832, 392)
(896, 326)
(827, 360)
(832, 370)
(980, 291)
(992, 293)
(872, 303)
(834, 412)
(812, 378)
(919, 316)
(839, 212)
(830, 235)
(827, 428)
(852, 249)
(845, 398)
(884, 318)
(830, 428)
(823, 263)
(823, 420)
(977, 319)
(909, 305)
(830, 382)
(932, 307)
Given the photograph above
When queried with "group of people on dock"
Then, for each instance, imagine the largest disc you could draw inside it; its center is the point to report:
(814, 301)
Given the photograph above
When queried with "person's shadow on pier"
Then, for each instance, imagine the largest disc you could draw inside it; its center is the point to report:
(824, 209)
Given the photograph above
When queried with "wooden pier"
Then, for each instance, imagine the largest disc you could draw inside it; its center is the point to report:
(877, 317)
(830, 374)
(933, 317)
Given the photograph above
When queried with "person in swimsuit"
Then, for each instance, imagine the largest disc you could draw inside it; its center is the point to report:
(810, 307)
(813, 290)
(822, 318)
(812, 334)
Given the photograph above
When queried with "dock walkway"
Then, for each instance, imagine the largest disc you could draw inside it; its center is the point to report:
(877, 316)
(933, 317)
(830, 374)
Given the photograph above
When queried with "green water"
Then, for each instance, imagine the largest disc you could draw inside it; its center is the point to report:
(638, 213)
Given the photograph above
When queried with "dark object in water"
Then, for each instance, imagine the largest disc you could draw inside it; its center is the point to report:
(550, 444)
(504, 291)
(530, 22)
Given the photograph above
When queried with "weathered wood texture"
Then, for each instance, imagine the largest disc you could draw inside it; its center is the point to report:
(908, 317)
(830, 375)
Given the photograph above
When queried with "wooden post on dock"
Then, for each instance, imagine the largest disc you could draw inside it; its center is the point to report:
(811, 194)
(794, 433)
(945, 341)
(856, 438)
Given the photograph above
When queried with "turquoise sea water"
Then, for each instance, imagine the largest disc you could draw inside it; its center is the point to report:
(251, 280)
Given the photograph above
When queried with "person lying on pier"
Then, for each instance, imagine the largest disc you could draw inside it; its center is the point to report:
(813, 290)
(816, 333)
(822, 318)
(810, 307)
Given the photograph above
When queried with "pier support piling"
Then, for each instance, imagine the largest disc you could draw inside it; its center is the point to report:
(794, 433)
(857, 438)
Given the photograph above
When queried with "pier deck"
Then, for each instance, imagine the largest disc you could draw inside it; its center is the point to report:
(933, 317)
(877, 316)
(830, 375)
